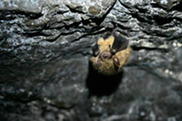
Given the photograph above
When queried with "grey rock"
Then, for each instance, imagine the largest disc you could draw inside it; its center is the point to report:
(45, 74)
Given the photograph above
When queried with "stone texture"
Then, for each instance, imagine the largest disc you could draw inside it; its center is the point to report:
(45, 46)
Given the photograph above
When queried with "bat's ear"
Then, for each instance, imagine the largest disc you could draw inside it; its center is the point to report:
(116, 61)
(95, 49)
(120, 43)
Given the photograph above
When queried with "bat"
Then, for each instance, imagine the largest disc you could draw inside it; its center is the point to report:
(110, 54)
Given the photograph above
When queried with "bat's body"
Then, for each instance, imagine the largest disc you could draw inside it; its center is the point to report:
(110, 54)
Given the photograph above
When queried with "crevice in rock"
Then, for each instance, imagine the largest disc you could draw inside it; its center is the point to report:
(21, 98)
(94, 31)
(33, 34)
(74, 10)
(137, 48)
(162, 20)
(102, 85)
(141, 19)
(126, 6)
(61, 105)
(156, 5)
(98, 21)
(148, 19)
(75, 25)
(54, 38)
(158, 33)
(177, 7)
(12, 13)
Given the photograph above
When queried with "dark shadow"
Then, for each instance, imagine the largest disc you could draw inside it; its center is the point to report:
(101, 85)
(177, 7)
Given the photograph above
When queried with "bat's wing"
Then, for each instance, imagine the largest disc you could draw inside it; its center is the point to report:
(120, 43)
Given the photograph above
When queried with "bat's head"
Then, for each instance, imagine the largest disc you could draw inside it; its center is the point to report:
(110, 54)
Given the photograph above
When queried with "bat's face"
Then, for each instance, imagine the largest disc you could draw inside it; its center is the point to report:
(110, 55)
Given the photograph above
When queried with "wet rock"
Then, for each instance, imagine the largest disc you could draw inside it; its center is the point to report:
(45, 48)
(168, 4)
(94, 10)
(22, 6)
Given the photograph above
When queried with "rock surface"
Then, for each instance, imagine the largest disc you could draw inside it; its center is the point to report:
(45, 46)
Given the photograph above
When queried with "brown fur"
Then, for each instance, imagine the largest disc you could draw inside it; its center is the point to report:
(107, 66)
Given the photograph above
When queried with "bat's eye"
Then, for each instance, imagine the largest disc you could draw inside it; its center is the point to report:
(105, 55)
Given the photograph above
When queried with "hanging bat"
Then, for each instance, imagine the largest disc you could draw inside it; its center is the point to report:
(111, 54)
